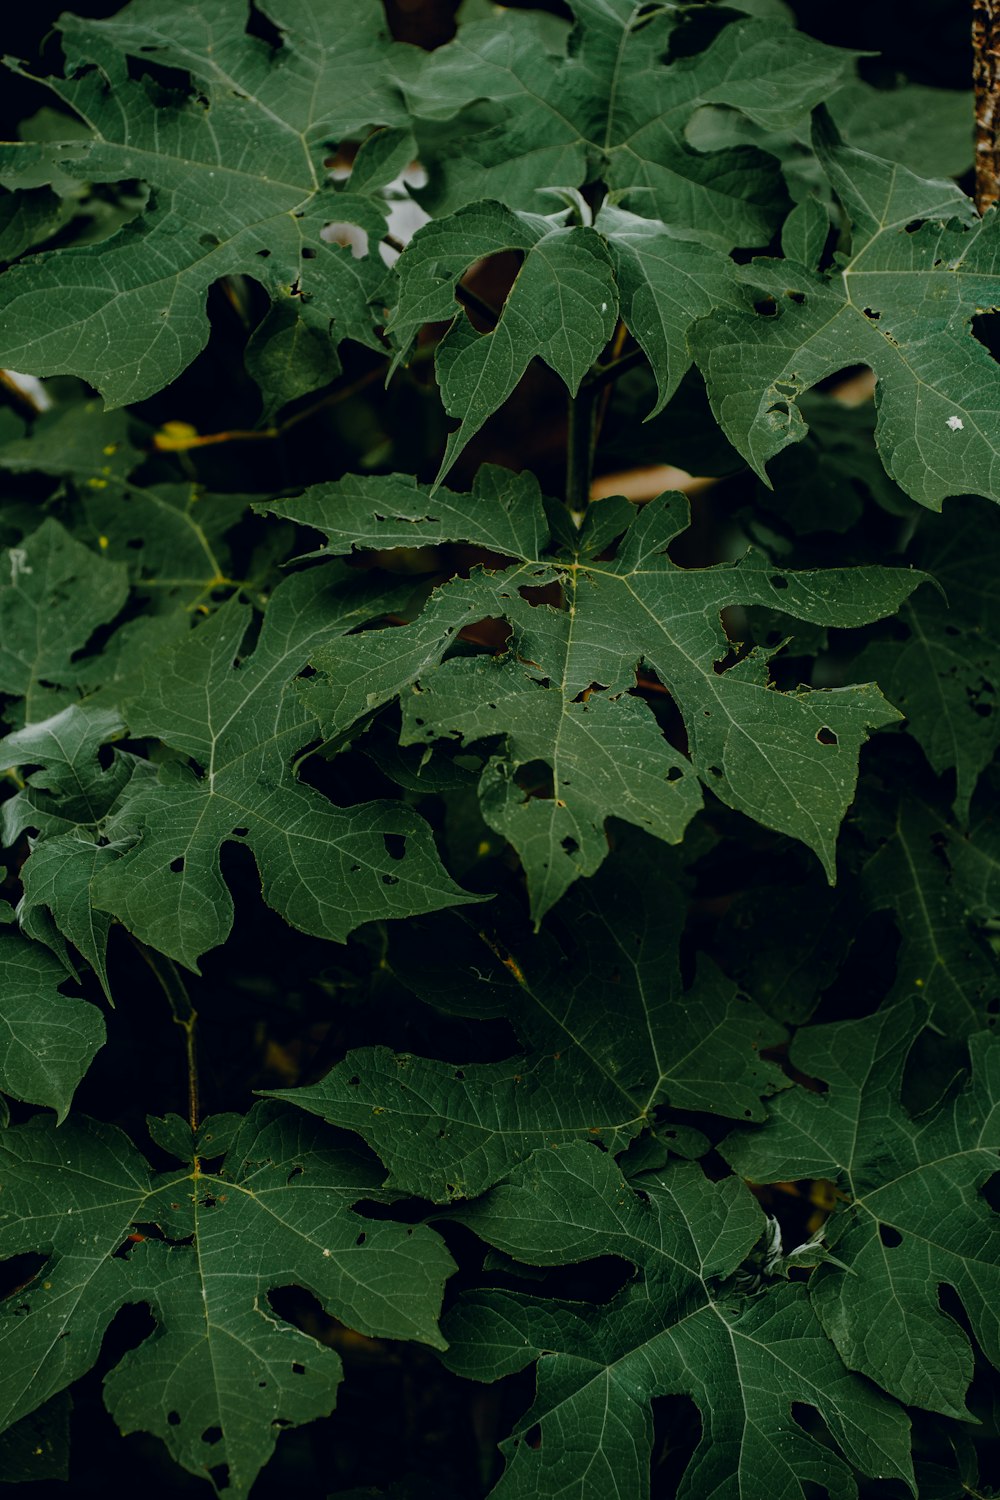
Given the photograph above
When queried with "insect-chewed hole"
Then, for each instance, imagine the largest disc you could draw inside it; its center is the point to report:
(533, 1437)
(298, 1369)
(174, 1418)
(570, 845)
(177, 865)
(826, 736)
(219, 1475)
(890, 1237)
(766, 307)
(675, 773)
(395, 844)
(212, 1435)
(777, 582)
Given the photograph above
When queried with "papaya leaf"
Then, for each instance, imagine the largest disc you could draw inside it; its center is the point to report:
(47, 1041)
(921, 264)
(678, 1327)
(223, 1373)
(560, 693)
(237, 182)
(593, 1072)
(915, 1219)
(533, 104)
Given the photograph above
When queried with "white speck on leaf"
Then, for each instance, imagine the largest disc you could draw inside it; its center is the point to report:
(327, 1254)
(18, 562)
(956, 424)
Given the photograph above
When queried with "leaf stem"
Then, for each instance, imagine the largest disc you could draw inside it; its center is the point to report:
(184, 1014)
(164, 443)
(581, 431)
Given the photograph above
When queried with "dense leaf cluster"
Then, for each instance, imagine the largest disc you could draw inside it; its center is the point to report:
(531, 943)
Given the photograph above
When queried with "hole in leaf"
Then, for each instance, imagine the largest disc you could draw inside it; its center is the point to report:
(361, 1238)
(890, 1237)
(797, 297)
(570, 845)
(533, 1437)
(675, 773)
(991, 1191)
(913, 226)
(295, 1172)
(395, 844)
(263, 254)
(777, 582)
(240, 833)
(874, 316)
(715, 771)
(212, 1435)
(458, 1075)
(298, 1369)
(349, 236)
(390, 879)
(174, 1418)
(308, 253)
(219, 1476)
(766, 307)
(826, 736)
(177, 865)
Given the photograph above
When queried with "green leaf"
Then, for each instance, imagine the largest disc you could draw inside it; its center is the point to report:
(675, 1328)
(326, 869)
(916, 1218)
(941, 959)
(562, 308)
(54, 593)
(26, 219)
(288, 358)
(928, 130)
(921, 264)
(533, 104)
(560, 692)
(943, 677)
(128, 315)
(666, 283)
(222, 1373)
(592, 1071)
(47, 1041)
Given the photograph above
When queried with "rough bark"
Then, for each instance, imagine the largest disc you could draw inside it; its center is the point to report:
(986, 79)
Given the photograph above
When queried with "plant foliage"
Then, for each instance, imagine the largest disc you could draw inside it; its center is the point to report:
(499, 945)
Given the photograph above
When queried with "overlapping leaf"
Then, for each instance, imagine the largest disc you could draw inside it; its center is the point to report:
(941, 960)
(916, 1217)
(532, 104)
(223, 1373)
(676, 1328)
(65, 804)
(560, 693)
(47, 1040)
(921, 264)
(54, 593)
(562, 307)
(325, 868)
(595, 1070)
(944, 677)
(237, 178)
